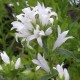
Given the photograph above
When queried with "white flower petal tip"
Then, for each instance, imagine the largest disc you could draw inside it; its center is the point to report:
(18, 63)
(38, 67)
(5, 57)
(17, 25)
(63, 73)
(41, 62)
(48, 31)
(61, 38)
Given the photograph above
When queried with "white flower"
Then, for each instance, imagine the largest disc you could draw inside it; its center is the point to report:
(22, 30)
(29, 15)
(48, 31)
(18, 63)
(5, 57)
(17, 25)
(6, 60)
(37, 34)
(45, 14)
(66, 74)
(41, 62)
(61, 38)
(28, 24)
(62, 72)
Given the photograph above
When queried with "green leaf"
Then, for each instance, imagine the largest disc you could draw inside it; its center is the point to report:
(46, 77)
(68, 53)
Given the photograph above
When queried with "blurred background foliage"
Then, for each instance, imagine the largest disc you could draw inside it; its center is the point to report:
(68, 19)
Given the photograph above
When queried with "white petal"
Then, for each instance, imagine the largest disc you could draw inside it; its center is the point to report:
(17, 25)
(66, 74)
(41, 33)
(30, 38)
(36, 62)
(20, 17)
(39, 57)
(53, 13)
(51, 20)
(17, 35)
(18, 63)
(43, 63)
(63, 34)
(38, 67)
(26, 10)
(48, 31)
(39, 40)
(28, 45)
(5, 57)
(70, 37)
(59, 30)
(60, 71)
(61, 38)
(56, 44)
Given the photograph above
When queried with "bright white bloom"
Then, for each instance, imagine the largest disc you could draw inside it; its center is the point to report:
(63, 73)
(45, 14)
(28, 24)
(41, 62)
(66, 74)
(18, 63)
(29, 15)
(5, 57)
(37, 34)
(48, 31)
(74, 1)
(61, 38)
(6, 60)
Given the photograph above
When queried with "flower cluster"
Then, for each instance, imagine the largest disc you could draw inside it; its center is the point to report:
(6, 60)
(33, 24)
(63, 73)
(42, 63)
